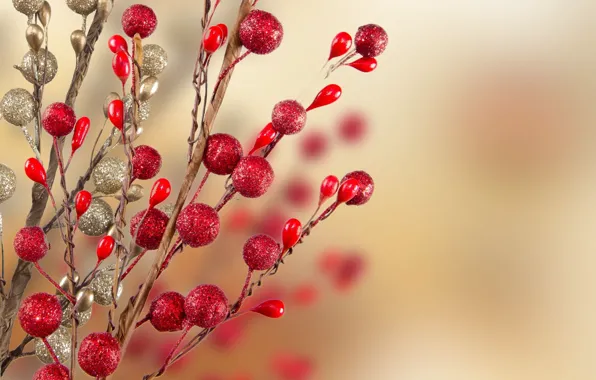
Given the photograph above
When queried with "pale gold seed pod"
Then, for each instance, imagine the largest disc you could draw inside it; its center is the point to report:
(149, 87)
(34, 36)
(78, 40)
(85, 300)
(45, 13)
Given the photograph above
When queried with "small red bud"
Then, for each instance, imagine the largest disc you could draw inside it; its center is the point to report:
(348, 190)
(213, 39)
(326, 96)
(329, 187)
(364, 64)
(116, 113)
(265, 137)
(340, 45)
(291, 233)
(117, 43)
(121, 66)
(82, 202)
(80, 132)
(35, 171)
(160, 192)
(105, 247)
(271, 309)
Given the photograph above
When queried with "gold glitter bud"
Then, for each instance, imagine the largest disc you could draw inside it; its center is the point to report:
(98, 218)
(102, 288)
(109, 175)
(8, 181)
(60, 341)
(27, 7)
(18, 107)
(82, 7)
(155, 60)
(40, 67)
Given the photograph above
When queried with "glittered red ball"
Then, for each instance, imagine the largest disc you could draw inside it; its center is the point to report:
(99, 354)
(58, 119)
(40, 314)
(30, 244)
(222, 153)
(206, 306)
(288, 117)
(367, 187)
(152, 230)
(140, 19)
(260, 252)
(261, 32)
(371, 40)
(167, 312)
(253, 176)
(198, 224)
(146, 162)
(52, 372)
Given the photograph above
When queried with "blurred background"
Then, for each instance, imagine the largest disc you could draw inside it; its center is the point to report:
(475, 257)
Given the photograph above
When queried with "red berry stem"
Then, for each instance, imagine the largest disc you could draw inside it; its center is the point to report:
(142, 321)
(173, 351)
(177, 245)
(243, 293)
(50, 350)
(229, 194)
(47, 276)
(341, 62)
(132, 265)
(201, 185)
(228, 69)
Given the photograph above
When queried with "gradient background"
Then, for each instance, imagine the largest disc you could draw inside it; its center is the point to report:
(479, 240)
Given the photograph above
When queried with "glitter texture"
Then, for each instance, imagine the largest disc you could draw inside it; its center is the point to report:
(30, 244)
(144, 109)
(102, 288)
(40, 314)
(198, 225)
(253, 176)
(139, 19)
(261, 32)
(109, 175)
(222, 153)
(59, 340)
(99, 354)
(82, 7)
(167, 312)
(288, 117)
(206, 306)
(82, 316)
(366, 188)
(371, 40)
(146, 162)
(155, 60)
(8, 184)
(52, 372)
(98, 219)
(28, 7)
(39, 62)
(168, 209)
(58, 119)
(260, 252)
(18, 107)
(152, 230)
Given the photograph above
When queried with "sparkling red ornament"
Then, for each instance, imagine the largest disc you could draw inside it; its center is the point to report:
(105, 247)
(40, 314)
(288, 117)
(299, 192)
(329, 187)
(222, 153)
(121, 66)
(52, 372)
(198, 225)
(146, 162)
(314, 145)
(82, 202)
(271, 309)
(150, 233)
(340, 45)
(371, 40)
(328, 95)
(99, 354)
(167, 312)
(159, 192)
(35, 171)
(31, 244)
(348, 190)
(116, 113)
(291, 233)
(260, 252)
(365, 189)
(261, 32)
(352, 127)
(139, 19)
(80, 132)
(224, 30)
(364, 64)
(58, 119)
(206, 306)
(265, 137)
(117, 43)
(253, 176)
(213, 39)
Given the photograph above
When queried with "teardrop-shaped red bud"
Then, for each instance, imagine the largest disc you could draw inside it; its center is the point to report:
(80, 132)
(117, 43)
(35, 171)
(82, 202)
(271, 309)
(121, 66)
(116, 113)
(105, 247)
(329, 187)
(224, 30)
(340, 45)
(348, 190)
(364, 64)
(213, 39)
(291, 233)
(326, 96)
(159, 192)
(265, 137)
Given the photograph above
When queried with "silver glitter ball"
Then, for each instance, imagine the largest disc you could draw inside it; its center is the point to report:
(109, 175)
(167, 208)
(98, 219)
(82, 7)
(36, 63)
(18, 107)
(144, 109)
(83, 316)
(155, 60)
(8, 183)
(60, 341)
(102, 288)
(28, 7)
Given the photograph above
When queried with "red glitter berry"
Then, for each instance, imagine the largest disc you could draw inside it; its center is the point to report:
(52, 372)
(146, 162)
(40, 314)
(252, 176)
(288, 117)
(139, 19)
(99, 354)
(261, 32)
(222, 153)
(150, 233)
(30, 244)
(167, 312)
(371, 40)
(198, 225)
(206, 306)
(366, 188)
(314, 145)
(58, 119)
(260, 252)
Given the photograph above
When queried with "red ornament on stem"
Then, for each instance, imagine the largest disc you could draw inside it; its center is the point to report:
(35, 171)
(371, 40)
(99, 354)
(116, 113)
(265, 137)
(105, 247)
(213, 39)
(288, 117)
(139, 19)
(54, 371)
(329, 187)
(222, 153)
(146, 162)
(348, 190)
(253, 176)
(260, 32)
(58, 119)
(121, 67)
(260, 252)
(224, 30)
(166, 312)
(365, 189)
(80, 132)
(328, 95)
(198, 225)
(147, 227)
(271, 309)
(291, 234)
(40, 314)
(82, 202)
(340, 45)
(364, 64)
(117, 43)
(159, 192)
